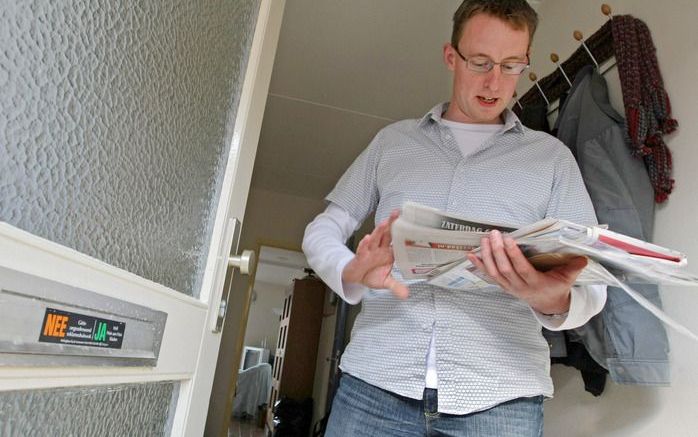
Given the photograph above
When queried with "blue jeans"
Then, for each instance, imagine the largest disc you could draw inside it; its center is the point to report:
(360, 409)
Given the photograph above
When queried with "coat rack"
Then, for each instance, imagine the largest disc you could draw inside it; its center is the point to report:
(597, 49)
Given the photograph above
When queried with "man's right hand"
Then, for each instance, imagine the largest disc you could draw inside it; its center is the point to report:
(373, 262)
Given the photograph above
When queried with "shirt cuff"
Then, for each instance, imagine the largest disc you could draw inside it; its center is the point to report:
(352, 293)
(585, 302)
(323, 245)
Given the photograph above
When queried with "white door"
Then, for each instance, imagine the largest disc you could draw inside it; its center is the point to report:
(87, 388)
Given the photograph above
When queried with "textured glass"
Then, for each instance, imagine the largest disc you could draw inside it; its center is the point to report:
(115, 125)
(121, 410)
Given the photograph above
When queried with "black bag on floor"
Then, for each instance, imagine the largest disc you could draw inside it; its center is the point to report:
(292, 418)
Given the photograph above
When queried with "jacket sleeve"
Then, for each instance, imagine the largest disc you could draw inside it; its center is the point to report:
(570, 201)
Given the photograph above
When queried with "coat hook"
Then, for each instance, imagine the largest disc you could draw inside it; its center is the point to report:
(555, 58)
(534, 79)
(579, 37)
(606, 10)
(517, 101)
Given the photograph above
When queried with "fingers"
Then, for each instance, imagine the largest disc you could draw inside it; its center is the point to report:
(386, 237)
(363, 249)
(497, 263)
(521, 265)
(372, 242)
(502, 259)
(376, 251)
(398, 289)
(376, 236)
(381, 237)
(475, 260)
(490, 266)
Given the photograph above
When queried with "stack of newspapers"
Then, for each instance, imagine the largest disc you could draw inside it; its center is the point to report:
(432, 245)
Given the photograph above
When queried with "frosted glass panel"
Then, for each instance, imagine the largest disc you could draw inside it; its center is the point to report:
(115, 125)
(122, 410)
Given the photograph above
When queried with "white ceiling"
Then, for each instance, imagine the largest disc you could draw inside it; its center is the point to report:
(343, 70)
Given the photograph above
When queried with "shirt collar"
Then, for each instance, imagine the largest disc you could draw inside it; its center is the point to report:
(511, 121)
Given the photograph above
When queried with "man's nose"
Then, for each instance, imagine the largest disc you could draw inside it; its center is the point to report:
(493, 77)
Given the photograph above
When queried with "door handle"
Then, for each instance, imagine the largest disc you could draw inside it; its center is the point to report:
(244, 262)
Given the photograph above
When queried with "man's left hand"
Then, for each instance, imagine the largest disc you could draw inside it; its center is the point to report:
(546, 292)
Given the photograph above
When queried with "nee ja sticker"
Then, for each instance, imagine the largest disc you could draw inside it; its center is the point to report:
(70, 328)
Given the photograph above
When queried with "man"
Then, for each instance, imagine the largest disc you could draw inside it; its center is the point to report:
(429, 361)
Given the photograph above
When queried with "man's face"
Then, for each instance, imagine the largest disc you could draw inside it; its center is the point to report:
(481, 97)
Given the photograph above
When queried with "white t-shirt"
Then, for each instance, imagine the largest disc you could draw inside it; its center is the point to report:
(470, 137)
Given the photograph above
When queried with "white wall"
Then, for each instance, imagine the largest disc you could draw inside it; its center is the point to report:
(262, 323)
(636, 410)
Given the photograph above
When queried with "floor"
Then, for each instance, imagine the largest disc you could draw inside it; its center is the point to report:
(244, 428)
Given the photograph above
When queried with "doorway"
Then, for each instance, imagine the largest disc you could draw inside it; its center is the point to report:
(266, 339)
(275, 272)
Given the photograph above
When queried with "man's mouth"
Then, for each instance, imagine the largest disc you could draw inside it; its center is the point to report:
(487, 100)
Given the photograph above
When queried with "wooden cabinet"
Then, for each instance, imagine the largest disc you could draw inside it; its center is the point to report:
(296, 348)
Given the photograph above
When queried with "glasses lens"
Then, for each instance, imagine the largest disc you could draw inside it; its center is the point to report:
(513, 67)
(481, 65)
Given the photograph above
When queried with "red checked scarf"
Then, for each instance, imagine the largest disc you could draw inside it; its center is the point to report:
(647, 107)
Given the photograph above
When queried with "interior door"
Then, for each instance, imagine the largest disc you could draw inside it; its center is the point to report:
(127, 139)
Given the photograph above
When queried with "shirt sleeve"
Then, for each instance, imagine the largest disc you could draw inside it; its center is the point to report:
(357, 190)
(569, 199)
(324, 247)
(586, 301)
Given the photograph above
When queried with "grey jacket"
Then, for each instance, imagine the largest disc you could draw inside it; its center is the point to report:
(624, 338)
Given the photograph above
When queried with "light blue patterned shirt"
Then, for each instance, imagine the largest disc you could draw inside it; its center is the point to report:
(489, 347)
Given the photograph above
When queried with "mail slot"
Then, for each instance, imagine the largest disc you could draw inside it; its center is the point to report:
(47, 323)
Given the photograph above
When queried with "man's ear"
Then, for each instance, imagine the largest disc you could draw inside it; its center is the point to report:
(449, 56)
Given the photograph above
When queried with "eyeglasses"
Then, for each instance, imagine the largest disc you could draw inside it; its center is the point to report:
(482, 64)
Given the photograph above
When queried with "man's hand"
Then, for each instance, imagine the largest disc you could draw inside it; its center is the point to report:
(546, 292)
(374, 260)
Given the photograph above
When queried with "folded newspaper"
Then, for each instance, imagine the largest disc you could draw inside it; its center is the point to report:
(432, 245)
